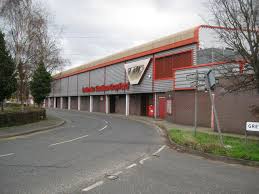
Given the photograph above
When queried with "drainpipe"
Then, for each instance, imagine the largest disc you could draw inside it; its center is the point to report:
(91, 104)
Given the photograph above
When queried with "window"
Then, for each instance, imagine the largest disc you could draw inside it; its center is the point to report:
(164, 65)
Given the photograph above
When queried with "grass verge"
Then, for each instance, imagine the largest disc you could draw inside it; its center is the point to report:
(209, 143)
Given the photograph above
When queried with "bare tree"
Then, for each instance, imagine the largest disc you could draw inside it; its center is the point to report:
(26, 26)
(238, 22)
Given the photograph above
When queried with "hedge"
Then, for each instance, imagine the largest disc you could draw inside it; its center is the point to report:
(19, 118)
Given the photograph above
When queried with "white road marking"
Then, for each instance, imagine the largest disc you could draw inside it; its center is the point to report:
(67, 141)
(159, 150)
(102, 128)
(106, 121)
(6, 155)
(93, 186)
(131, 166)
(142, 161)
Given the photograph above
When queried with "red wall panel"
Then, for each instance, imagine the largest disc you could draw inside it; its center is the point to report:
(164, 65)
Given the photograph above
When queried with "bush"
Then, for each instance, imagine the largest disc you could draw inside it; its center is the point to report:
(8, 119)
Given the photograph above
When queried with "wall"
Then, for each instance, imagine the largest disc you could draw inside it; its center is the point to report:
(115, 74)
(233, 109)
(83, 81)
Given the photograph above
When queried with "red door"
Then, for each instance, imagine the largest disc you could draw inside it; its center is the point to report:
(162, 103)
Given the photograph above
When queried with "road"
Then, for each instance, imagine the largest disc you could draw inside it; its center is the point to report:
(97, 153)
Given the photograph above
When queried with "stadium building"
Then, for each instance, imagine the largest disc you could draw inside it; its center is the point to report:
(155, 79)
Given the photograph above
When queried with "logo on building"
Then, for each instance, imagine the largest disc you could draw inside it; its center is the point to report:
(135, 70)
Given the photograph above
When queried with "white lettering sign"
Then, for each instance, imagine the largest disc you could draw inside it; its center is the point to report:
(252, 126)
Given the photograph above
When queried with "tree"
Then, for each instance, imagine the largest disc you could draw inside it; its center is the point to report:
(40, 84)
(8, 80)
(238, 22)
(26, 25)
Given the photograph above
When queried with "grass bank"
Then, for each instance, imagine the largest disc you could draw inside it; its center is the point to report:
(235, 147)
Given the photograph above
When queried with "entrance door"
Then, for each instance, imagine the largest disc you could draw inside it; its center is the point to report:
(162, 103)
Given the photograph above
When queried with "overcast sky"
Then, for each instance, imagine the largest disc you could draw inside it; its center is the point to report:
(96, 28)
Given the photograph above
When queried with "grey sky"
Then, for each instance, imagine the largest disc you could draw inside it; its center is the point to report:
(96, 28)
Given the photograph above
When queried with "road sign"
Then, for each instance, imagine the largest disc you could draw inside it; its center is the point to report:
(211, 79)
(252, 126)
(192, 76)
(200, 83)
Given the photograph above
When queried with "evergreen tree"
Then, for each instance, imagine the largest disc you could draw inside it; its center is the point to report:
(8, 81)
(40, 84)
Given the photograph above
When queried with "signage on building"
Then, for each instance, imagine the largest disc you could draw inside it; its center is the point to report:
(102, 88)
(135, 70)
(252, 126)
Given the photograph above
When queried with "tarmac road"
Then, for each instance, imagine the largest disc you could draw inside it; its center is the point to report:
(97, 153)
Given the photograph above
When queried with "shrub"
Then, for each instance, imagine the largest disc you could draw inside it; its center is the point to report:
(8, 119)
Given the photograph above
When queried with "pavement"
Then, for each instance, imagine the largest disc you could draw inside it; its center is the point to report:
(50, 122)
(98, 153)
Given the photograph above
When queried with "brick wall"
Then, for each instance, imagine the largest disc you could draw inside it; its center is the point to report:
(233, 109)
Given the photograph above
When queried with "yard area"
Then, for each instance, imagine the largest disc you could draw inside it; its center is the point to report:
(234, 147)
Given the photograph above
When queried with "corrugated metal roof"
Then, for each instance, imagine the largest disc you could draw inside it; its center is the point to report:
(168, 40)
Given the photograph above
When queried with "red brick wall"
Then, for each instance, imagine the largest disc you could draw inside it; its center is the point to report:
(183, 108)
(233, 109)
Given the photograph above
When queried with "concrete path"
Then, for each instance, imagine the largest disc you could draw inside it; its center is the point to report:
(97, 153)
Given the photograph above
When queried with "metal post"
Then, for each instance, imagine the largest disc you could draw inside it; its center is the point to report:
(107, 104)
(212, 114)
(69, 103)
(79, 103)
(127, 104)
(214, 111)
(246, 135)
(55, 102)
(155, 106)
(91, 104)
(196, 103)
(61, 102)
(49, 103)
